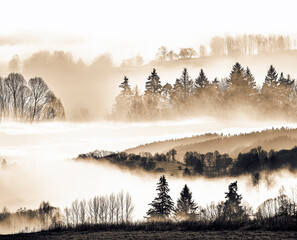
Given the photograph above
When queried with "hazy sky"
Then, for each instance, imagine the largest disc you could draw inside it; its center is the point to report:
(126, 28)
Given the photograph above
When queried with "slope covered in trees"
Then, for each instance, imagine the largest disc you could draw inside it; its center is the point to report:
(28, 101)
(209, 164)
(276, 139)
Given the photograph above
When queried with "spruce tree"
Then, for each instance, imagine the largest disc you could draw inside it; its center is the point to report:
(237, 85)
(250, 79)
(186, 207)
(186, 84)
(183, 89)
(232, 209)
(283, 93)
(162, 206)
(269, 93)
(285, 81)
(252, 90)
(153, 85)
(152, 95)
(201, 81)
(126, 89)
(237, 76)
(271, 77)
(123, 101)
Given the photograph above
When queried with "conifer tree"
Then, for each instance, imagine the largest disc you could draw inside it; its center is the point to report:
(201, 81)
(123, 101)
(252, 90)
(126, 89)
(233, 210)
(162, 206)
(269, 95)
(186, 84)
(271, 77)
(182, 91)
(237, 85)
(284, 91)
(186, 207)
(250, 78)
(152, 95)
(153, 85)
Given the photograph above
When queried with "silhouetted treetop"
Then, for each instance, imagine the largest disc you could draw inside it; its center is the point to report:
(162, 206)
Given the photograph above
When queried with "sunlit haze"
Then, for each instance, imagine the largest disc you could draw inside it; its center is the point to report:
(126, 28)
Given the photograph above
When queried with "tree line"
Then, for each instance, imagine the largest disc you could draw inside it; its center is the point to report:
(115, 212)
(113, 208)
(247, 44)
(275, 213)
(210, 164)
(187, 97)
(28, 101)
(108, 209)
(253, 162)
(145, 160)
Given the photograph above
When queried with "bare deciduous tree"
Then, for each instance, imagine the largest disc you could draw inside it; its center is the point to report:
(129, 207)
(14, 83)
(75, 212)
(40, 96)
(82, 211)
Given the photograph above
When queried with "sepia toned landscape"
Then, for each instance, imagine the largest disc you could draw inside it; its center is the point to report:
(148, 120)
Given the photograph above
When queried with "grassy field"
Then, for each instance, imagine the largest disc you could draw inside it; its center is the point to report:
(150, 235)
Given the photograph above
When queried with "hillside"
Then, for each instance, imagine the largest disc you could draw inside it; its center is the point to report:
(211, 158)
(276, 139)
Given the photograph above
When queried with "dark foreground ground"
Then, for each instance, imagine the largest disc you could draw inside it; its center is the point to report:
(154, 235)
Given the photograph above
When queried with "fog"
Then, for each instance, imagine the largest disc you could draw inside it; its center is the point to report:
(88, 91)
(40, 165)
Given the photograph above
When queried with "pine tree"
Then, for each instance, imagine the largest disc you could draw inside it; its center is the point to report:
(126, 89)
(162, 206)
(201, 81)
(284, 91)
(152, 95)
(285, 81)
(182, 91)
(237, 85)
(271, 77)
(250, 78)
(123, 101)
(252, 90)
(269, 95)
(237, 76)
(153, 85)
(186, 207)
(232, 209)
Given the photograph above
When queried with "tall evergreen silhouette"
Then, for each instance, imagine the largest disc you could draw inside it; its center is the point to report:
(186, 207)
(126, 89)
(153, 84)
(201, 81)
(233, 210)
(162, 206)
(271, 77)
(123, 100)
(237, 86)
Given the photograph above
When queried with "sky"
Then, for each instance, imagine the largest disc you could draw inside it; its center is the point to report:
(126, 28)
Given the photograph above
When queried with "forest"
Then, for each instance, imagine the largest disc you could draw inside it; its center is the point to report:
(227, 98)
(211, 164)
(28, 101)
